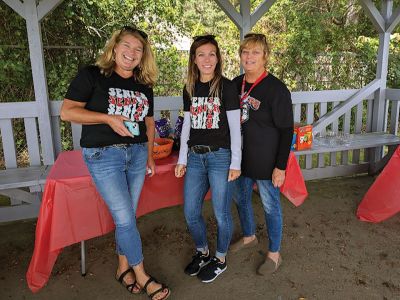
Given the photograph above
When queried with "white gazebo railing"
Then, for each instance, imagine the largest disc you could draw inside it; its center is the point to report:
(356, 119)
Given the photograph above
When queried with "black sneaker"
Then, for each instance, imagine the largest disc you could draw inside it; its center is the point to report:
(198, 262)
(212, 270)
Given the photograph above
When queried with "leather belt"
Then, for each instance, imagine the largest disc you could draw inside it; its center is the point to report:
(201, 149)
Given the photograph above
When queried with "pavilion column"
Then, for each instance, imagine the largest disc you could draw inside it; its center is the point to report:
(33, 14)
(384, 22)
(378, 115)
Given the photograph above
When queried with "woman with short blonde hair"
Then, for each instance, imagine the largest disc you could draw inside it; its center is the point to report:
(267, 128)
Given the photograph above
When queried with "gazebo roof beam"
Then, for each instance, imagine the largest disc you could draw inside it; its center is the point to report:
(393, 21)
(374, 14)
(230, 11)
(245, 13)
(17, 6)
(47, 6)
(260, 11)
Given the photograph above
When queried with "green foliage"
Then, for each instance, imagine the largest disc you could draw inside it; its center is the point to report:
(205, 17)
(316, 44)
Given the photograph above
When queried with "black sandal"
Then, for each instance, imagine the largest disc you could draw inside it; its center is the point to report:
(163, 286)
(129, 287)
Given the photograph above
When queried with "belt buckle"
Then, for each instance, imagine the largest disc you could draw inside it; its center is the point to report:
(200, 149)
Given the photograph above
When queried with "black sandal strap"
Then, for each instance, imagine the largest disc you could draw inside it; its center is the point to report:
(150, 280)
(158, 291)
(123, 274)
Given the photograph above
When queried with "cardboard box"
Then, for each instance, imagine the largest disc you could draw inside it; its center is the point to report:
(303, 136)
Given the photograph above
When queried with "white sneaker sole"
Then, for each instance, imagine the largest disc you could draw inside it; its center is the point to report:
(211, 280)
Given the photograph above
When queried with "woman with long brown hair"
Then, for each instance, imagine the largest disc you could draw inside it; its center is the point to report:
(210, 153)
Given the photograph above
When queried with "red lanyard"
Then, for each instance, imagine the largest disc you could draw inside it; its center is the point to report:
(244, 96)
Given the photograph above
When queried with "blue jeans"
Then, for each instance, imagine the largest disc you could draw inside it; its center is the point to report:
(118, 172)
(270, 197)
(202, 172)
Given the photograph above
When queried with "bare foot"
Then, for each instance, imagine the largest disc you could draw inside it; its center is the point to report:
(274, 256)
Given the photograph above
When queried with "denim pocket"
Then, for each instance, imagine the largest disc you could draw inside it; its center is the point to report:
(222, 153)
(92, 153)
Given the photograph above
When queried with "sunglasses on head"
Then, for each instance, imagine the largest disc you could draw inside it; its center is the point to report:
(133, 29)
(207, 37)
(259, 36)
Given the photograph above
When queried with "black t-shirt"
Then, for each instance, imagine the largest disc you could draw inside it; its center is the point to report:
(112, 95)
(267, 127)
(208, 121)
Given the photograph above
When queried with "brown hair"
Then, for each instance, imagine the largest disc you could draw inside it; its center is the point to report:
(145, 73)
(194, 72)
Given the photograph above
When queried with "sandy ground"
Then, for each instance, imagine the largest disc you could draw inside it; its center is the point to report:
(327, 252)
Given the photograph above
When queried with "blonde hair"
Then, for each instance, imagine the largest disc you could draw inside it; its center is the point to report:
(256, 39)
(145, 73)
(194, 72)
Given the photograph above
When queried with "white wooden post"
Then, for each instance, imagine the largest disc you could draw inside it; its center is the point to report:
(39, 79)
(378, 114)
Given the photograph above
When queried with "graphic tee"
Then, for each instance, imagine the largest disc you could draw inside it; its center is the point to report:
(112, 95)
(208, 121)
(267, 127)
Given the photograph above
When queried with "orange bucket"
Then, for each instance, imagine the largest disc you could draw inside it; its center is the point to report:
(162, 147)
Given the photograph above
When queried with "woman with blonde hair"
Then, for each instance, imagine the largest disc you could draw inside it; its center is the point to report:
(267, 128)
(209, 154)
(113, 100)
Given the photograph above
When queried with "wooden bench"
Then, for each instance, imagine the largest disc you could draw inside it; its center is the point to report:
(23, 186)
(356, 142)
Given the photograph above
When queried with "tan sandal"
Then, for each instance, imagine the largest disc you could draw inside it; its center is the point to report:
(130, 287)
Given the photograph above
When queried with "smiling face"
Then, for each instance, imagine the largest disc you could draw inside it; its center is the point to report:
(206, 61)
(253, 59)
(128, 54)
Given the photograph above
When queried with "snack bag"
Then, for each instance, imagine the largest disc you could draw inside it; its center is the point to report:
(163, 127)
(304, 136)
(178, 127)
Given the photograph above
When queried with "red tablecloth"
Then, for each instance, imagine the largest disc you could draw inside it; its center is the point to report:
(73, 211)
(382, 199)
